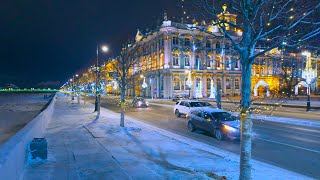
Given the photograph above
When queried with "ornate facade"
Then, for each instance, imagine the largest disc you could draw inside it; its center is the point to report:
(185, 59)
(196, 59)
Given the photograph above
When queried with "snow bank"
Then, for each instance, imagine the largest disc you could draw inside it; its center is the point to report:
(13, 152)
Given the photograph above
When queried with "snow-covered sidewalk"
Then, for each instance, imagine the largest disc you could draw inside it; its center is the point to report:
(82, 147)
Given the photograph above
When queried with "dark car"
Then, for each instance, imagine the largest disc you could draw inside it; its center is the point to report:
(222, 124)
(179, 97)
(139, 102)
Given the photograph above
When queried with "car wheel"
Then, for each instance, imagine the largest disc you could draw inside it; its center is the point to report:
(191, 126)
(177, 113)
(218, 134)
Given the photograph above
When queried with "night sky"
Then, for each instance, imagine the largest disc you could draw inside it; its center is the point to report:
(44, 42)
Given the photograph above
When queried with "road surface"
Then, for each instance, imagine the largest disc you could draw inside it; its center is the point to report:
(292, 147)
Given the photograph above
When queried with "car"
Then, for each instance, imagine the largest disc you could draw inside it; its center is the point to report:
(185, 106)
(178, 97)
(220, 123)
(139, 102)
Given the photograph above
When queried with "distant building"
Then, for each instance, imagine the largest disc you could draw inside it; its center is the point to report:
(196, 59)
(11, 86)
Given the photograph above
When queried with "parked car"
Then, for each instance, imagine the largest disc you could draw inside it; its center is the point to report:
(139, 102)
(178, 97)
(220, 123)
(184, 107)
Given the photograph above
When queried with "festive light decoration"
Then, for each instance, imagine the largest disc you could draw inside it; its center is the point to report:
(199, 90)
(213, 90)
(308, 73)
(189, 81)
(144, 84)
(115, 85)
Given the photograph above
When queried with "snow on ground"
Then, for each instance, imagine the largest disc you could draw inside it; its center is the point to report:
(83, 147)
(16, 110)
(295, 121)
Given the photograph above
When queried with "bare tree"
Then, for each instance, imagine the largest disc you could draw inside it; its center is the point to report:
(270, 22)
(123, 66)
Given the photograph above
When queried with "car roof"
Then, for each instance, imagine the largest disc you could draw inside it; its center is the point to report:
(211, 110)
(191, 100)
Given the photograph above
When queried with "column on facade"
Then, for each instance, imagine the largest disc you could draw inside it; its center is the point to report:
(204, 86)
(232, 78)
(181, 59)
(223, 84)
(152, 86)
(167, 52)
(167, 87)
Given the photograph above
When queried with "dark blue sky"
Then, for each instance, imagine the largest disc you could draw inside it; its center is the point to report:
(49, 40)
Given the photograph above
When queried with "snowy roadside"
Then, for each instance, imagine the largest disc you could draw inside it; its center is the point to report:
(287, 120)
(82, 147)
(16, 110)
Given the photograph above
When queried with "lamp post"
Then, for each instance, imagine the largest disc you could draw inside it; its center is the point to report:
(75, 85)
(97, 102)
(71, 80)
(309, 75)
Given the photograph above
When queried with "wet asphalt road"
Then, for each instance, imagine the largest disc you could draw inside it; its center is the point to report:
(292, 147)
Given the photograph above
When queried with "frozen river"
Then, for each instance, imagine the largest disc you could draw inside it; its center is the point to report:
(16, 110)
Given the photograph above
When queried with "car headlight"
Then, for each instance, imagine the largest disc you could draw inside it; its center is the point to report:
(229, 128)
(139, 103)
(147, 103)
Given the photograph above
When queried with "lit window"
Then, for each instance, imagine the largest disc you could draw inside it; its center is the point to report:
(198, 64)
(209, 60)
(236, 83)
(219, 83)
(208, 83)
(208, 44)
(187, 42)
(175, 40)
(228, 85)
(236, 65)
(175, 59)
(187, 60)
(176, 84)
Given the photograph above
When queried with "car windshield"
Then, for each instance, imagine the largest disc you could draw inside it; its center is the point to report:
(224, 116)
(199, 104)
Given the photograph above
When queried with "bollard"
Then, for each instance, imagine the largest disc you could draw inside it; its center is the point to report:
(39, 148)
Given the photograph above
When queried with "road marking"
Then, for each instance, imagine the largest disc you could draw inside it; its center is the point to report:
(281, 129)
(298, 147)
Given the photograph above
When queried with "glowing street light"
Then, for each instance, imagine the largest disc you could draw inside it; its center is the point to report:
(309, 75)
(97, 102)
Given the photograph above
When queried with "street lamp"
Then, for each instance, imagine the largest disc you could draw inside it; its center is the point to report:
(309, 75)
(71, 80)
(72, 86)
(97, 102)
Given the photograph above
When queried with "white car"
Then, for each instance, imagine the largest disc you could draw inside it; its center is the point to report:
(184, 107)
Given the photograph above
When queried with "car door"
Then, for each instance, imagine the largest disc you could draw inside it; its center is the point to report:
(196, 120)
(208, 122)
(215, 120)
(181, 107)
(187, 108)
(184, 107)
